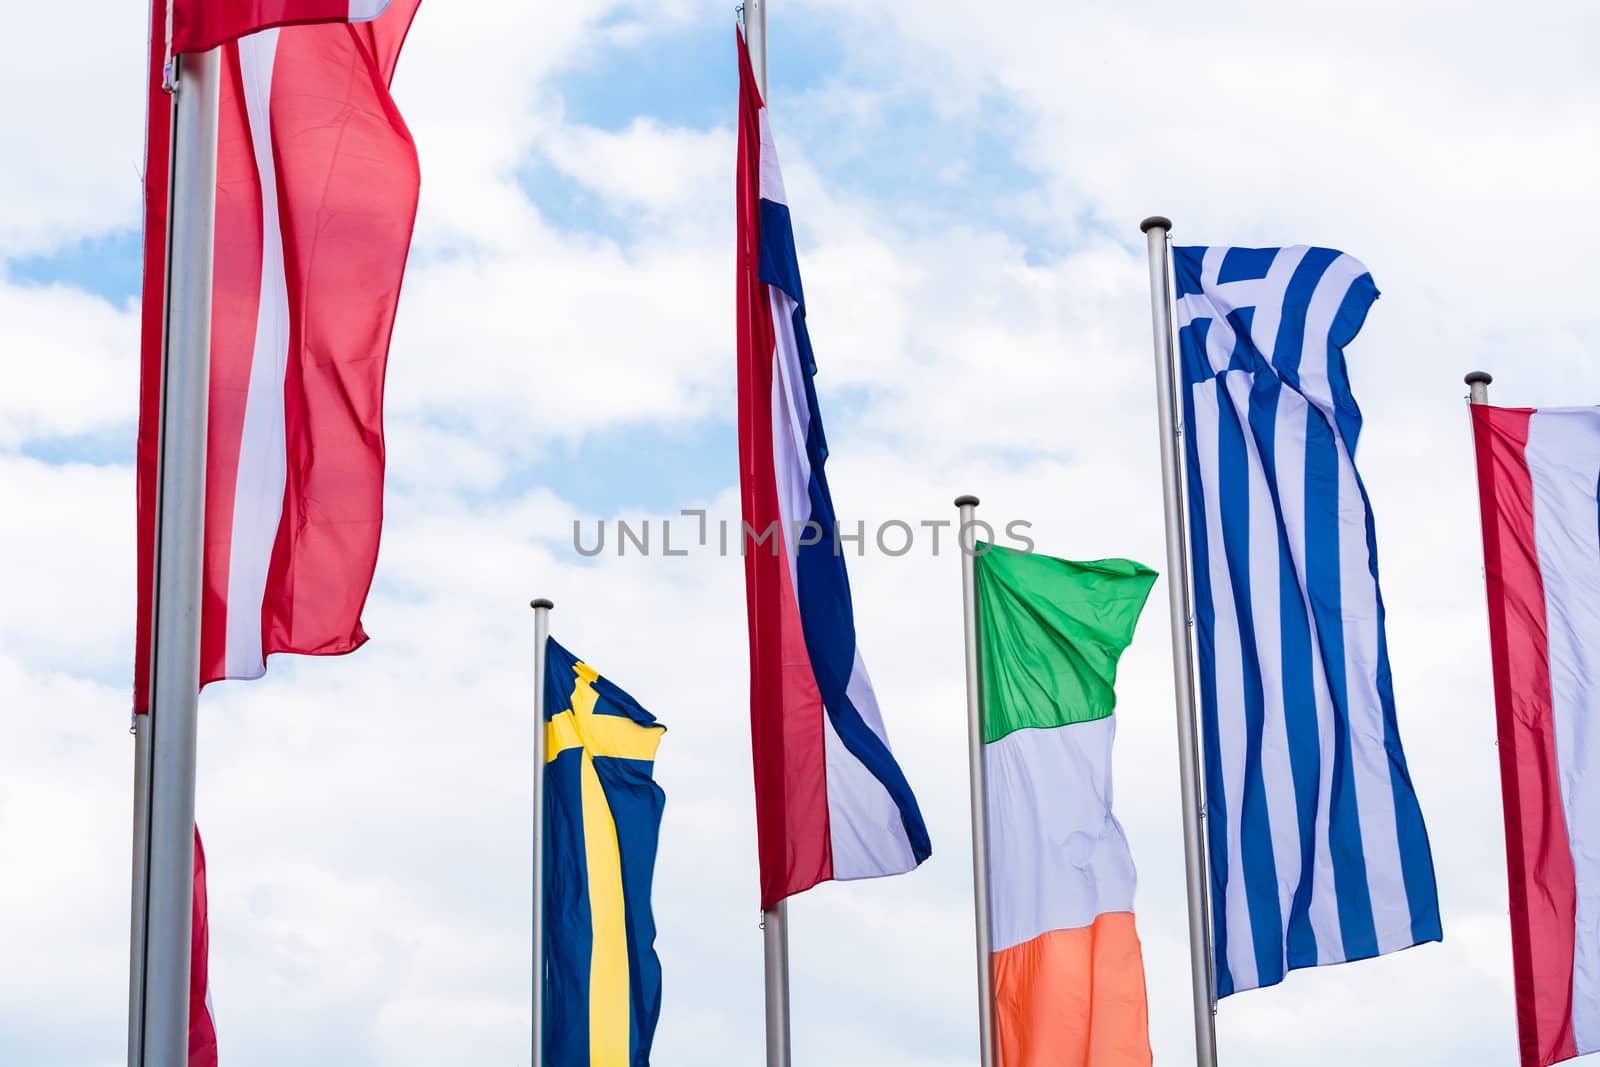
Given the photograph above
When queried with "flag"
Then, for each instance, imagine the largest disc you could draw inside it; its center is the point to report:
(1068, 970)
(1538, 481)
(316, 193)
(831, 802)
(602, 817)
(1317, 845)
(202, 1021)
(199, 25)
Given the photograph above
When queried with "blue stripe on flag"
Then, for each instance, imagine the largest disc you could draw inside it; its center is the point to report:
(1205, 631)
(1246, 264)
(1416, 857)
(569, 926)
(1299, 692)
(827, 614)
(1326, 595)
(1259, 866)
(1346, 323)
(1289, 345)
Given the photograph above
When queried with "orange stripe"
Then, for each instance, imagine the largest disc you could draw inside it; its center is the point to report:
(1073, 998)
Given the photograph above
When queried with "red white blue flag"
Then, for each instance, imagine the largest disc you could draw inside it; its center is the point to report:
(831, 802)
(1538, 483)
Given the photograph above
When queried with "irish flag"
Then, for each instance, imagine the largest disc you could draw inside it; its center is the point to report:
(1068, 971)
(1539, 484)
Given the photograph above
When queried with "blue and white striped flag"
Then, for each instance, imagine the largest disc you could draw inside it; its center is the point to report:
(1318, 850)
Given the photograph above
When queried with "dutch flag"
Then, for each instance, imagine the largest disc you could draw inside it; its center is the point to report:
(831, 802)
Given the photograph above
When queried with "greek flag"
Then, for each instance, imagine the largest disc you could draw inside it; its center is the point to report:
(1317, 846)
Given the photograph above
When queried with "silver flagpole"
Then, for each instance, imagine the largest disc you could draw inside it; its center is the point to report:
(1194, 845)
(755, 39)
(775, 956)
(966, 541)
(164, 774)
(541, 635)
(1478, 383)
(774, 921)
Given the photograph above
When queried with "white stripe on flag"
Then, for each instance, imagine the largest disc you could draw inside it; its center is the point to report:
(263, 459)
(1277, 772)
(1058, 857)
(791, 422)
(771, 174)
(1325, 303)
(1290, 450)
(367, 10)
(1563, 456)
(865, 830)
(1229, 674)
(1370, 766)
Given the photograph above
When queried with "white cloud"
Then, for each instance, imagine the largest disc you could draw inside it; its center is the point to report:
(71, 360)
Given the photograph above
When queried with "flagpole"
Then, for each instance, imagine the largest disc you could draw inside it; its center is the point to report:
(966, 541)
(755, 41)
(1478, 383)
(164, 775)
(774, 920)
(541, 636)
(1156, 229)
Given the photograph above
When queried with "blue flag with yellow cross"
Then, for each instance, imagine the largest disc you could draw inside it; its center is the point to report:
(602, 824)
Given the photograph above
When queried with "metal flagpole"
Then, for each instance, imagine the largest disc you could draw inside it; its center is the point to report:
(1205, 1032)
(541, 635)
(1478, 383)
(775, 920)
(164, 774)
(755, 39)
(966, 540)
(775, 956)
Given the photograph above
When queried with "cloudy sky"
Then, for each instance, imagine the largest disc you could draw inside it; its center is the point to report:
(967, 181)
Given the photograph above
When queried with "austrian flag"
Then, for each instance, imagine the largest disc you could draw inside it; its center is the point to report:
(1539, 487)
(317, 186)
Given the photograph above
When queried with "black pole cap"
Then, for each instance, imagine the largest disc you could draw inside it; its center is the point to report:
(965, 500)
(542, 602)
(1479, 377)
(1153, 221)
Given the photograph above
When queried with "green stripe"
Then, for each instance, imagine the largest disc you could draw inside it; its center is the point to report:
(1050, 632)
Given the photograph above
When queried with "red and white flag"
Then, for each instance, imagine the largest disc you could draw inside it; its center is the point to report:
(199, 25)
(202, 1023)
(1539, 487)
(317, 186)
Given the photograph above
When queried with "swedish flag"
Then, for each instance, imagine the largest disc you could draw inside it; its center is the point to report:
(602, 823)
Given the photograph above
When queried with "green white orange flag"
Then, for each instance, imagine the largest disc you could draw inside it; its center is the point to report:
(1068, 971)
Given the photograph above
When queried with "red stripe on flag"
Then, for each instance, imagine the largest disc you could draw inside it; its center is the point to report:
(348, 183)
(785, 706)
(158, 148)
(1543, 892)
(202, 1027)
(198, 25)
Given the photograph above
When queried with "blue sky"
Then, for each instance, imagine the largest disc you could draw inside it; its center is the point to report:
(967, 187)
